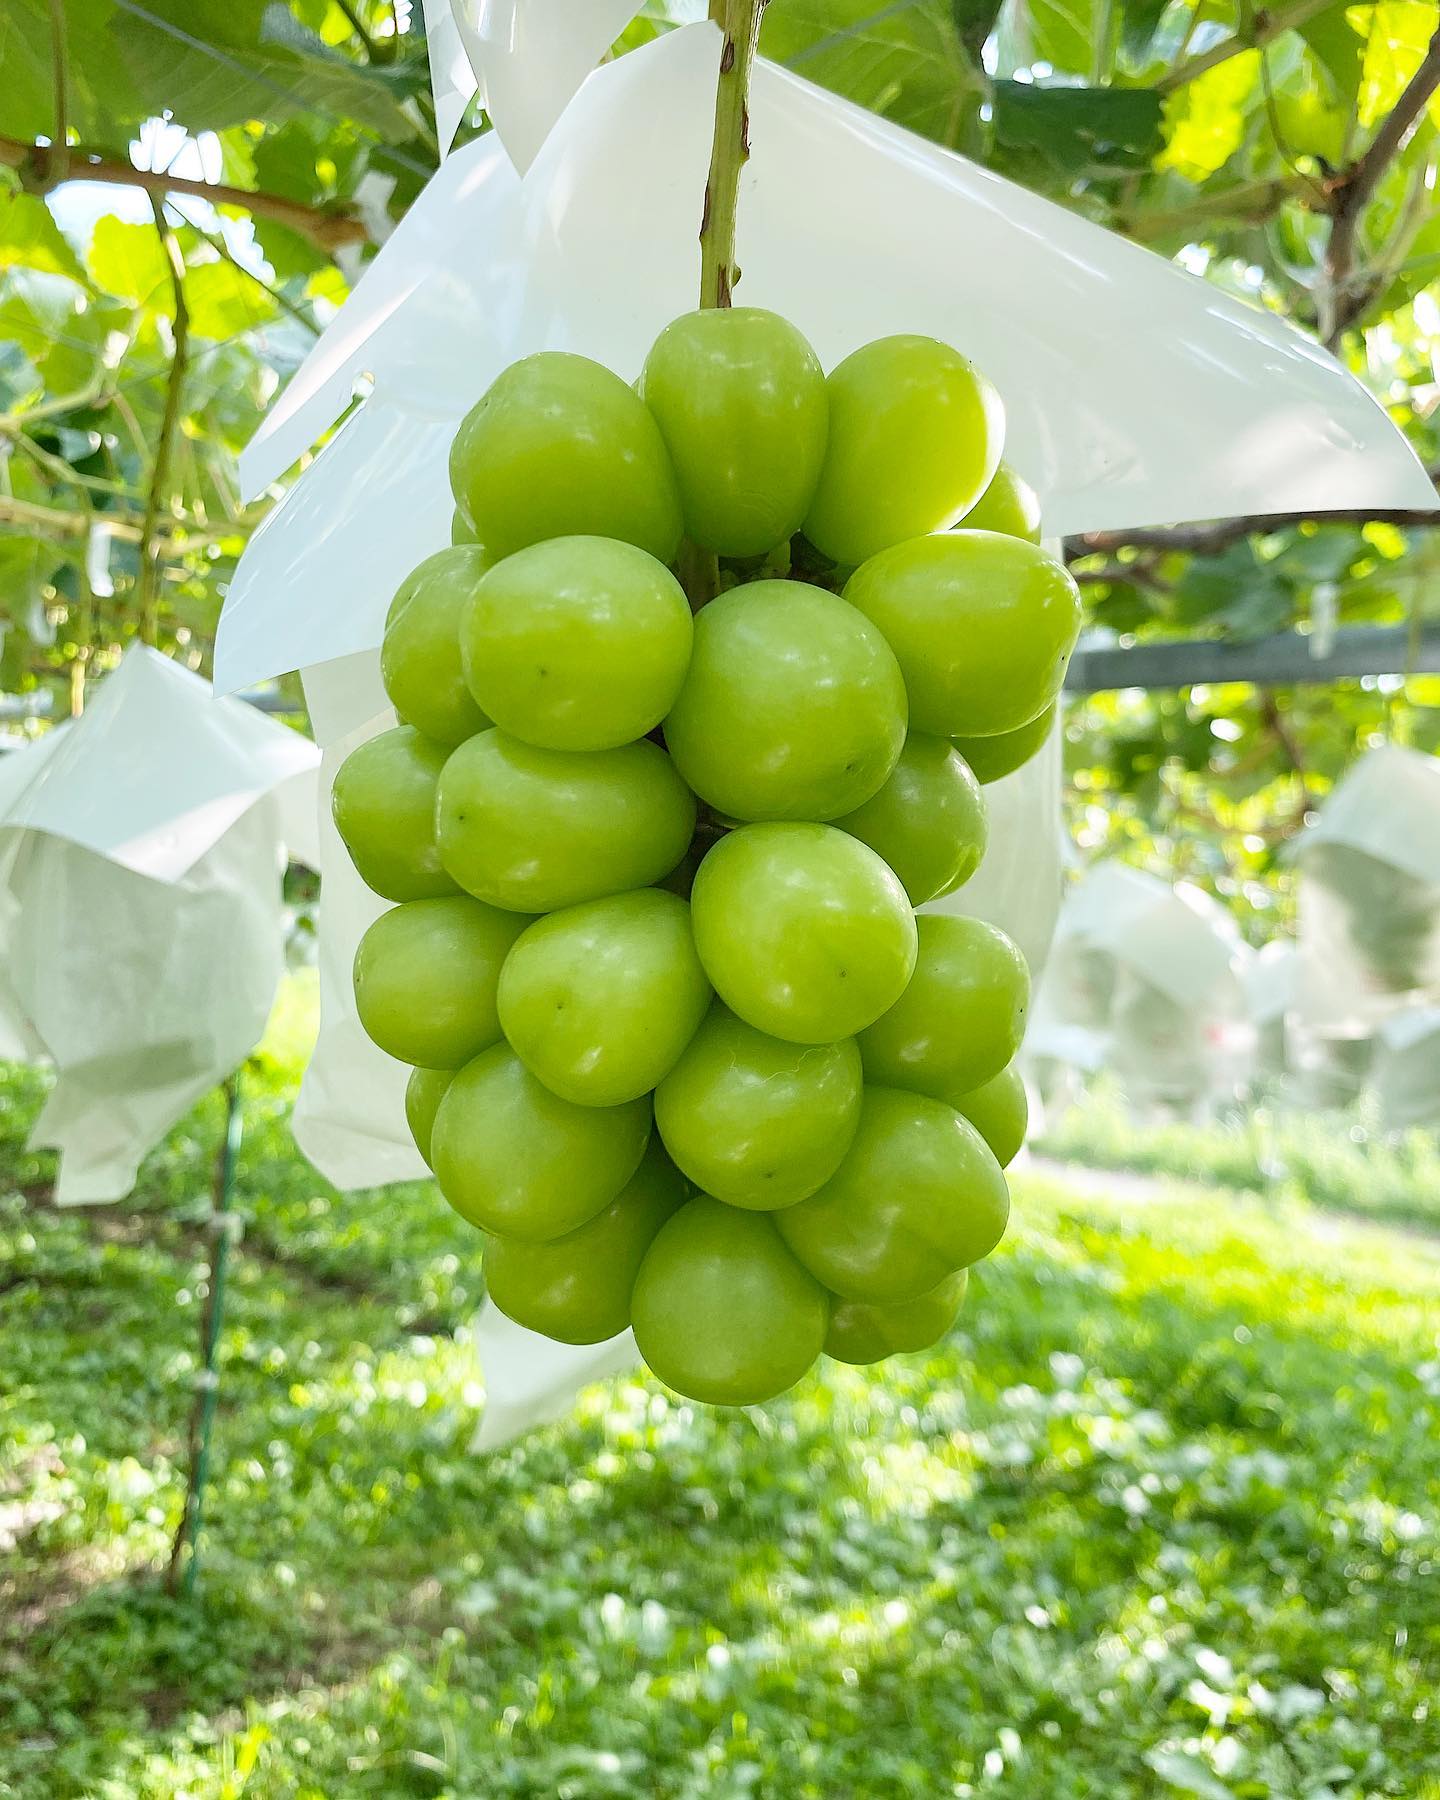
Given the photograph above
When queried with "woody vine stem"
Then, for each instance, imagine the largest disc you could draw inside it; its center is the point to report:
(739, 21)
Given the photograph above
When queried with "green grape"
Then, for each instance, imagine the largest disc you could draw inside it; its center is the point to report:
(793, 708)
(383, 803)
(961, 1018)
(722, 1312)
(461, 530)
(534, 830)
(804, 932)
(753, 1120)
(991, 758)
(739, 397)
(424, 1091)
(576, 1289)
(863, 1333)
(1009, 505)
(915, 436)
(420, 656)
(999, 1111)
(426, 975)
(579, 643)
(517, 1160)
(918, 1196)
(928, 821)
(559, 446)
(598, 1001)
(983, 626)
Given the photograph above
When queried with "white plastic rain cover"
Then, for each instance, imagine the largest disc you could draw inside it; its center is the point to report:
(141, 934)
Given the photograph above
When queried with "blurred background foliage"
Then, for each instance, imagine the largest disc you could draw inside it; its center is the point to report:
(188, 189)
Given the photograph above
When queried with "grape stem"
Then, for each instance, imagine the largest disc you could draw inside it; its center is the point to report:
(739, 22)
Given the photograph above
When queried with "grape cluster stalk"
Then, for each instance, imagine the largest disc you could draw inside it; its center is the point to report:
(682, 1048)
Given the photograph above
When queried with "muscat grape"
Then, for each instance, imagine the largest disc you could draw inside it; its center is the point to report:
(862, 1332)
(739, 397)
(983, 627)
(918, 1196)
(915, 437)
(420, 653)
(560, 446)
(424, 1091)
(600, 1000)
(534, 830)
(383, 804)
(999, 1110)
(576, 1288)
(1008, 505)
(928, 821)
(722, 1311)
(519, 1161)
(753, 1120)
(992, 758)
(962, 1016)
(426, 978)
(804, 931)
(793, 707)
(578, 643)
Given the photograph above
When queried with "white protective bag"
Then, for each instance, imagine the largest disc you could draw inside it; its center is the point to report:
(1146, 981)
(141, 932)
(850, 227)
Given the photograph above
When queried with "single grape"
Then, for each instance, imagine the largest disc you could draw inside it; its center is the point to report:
(420, 655)
(928, 821)
(915, 436)
(918, 1196)
(559, 446)
(598, 1001)
(961, 1018)
(804, 932)
(793, 707)
(755, 1121)
(722, 1311)
(579, 643)
(576, 1289)
(739, 397)
(426, 975)
(983, 626)
(1009, 505)
(991, 758)
(383, 803)
(424, 1091)
(534, 830)
(999, 1111)
(519, 1161)
(863, 1333)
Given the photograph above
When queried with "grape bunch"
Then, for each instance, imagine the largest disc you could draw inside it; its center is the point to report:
(694, 713)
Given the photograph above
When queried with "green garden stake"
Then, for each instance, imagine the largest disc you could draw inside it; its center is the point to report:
(226, 1226)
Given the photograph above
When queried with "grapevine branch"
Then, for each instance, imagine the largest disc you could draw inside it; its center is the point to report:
(330, 230)
(169, 424)
(1344, 301)
(58, 155)
(1264, 27)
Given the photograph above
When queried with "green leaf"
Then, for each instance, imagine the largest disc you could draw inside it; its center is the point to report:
(30, 238)
(126, 260)
(1396, 34)
(905, 62)
(47, 319)
(1077, 125)
(27, 566)
(223, 300)
(1062, 33)
(1205, 119)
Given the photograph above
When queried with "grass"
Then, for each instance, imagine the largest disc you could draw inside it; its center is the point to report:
(1332, 1160)
(1159, 1519)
